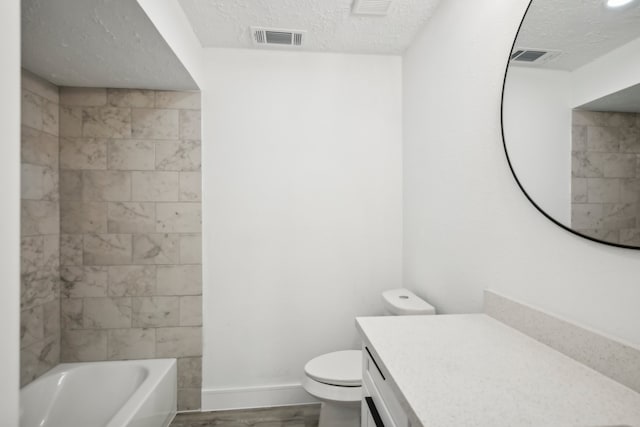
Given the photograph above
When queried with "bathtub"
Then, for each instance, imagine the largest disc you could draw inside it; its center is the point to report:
(132, 393)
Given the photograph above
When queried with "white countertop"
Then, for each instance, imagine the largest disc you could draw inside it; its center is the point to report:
(472, 370)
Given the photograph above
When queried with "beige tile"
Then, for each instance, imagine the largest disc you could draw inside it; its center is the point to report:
(83, 217)
(130, 98)
(179, 280)
(579, 190)
(630, 236)
(40, 86)
(619, 165)
(83, 153)
(106, 122)
(132, 280)
(112, 186)
(181, 100)
(190, 186)
(38, 182)
(178, 217)
(586, 216)
(156, 311)
(39, 287)
(587, 165)
(83, 346)
(154, 124)
(70, 119)
(51, 316)
(50, 120)
(31, 110)
(588, 118)
(616, 119)
(190, 372)
(178, 155)
(107, 249)
(603, 190)
(131, 154)
(38, 148)
(71, 313)
(191, 311)
(128, 344)
(179, 342)
(107, 313)
(70, 185)
(131, 217)
(80, 96)
(80, 281)
(155, 186)
(611, 139)
(39, 217)
(156, 248)
(630, 190)
(32, 325)
(190, 249)
(189, 399)
(190, 124)
(619, 215)
(38, 358)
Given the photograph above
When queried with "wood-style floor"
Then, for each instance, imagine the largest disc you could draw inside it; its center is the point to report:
(284, 416)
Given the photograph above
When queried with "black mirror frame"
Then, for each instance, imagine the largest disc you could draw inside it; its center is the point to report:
(513, 172)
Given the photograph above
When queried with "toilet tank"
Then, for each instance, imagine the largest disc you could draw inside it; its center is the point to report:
(402, 302)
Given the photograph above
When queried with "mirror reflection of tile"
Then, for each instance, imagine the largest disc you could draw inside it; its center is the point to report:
(605, 171)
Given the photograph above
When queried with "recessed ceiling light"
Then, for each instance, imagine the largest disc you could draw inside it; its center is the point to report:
(618, 3)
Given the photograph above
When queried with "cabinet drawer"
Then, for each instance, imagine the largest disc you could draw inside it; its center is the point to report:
(368, 420)
(376, 381)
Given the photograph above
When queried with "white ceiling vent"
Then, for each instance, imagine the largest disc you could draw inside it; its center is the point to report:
(277, 37)
(371, 7)
(525, 56)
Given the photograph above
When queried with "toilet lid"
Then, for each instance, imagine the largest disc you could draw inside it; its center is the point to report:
(341, 368)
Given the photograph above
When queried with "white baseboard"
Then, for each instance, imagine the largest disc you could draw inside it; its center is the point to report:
(255, 397)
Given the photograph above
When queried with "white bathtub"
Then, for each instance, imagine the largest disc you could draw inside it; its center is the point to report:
(132, 393)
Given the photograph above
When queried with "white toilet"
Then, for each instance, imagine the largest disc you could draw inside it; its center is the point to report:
(336, 378)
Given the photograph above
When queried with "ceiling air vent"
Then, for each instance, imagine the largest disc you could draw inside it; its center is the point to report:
(277, 37)
(371, 7)
(533, 56)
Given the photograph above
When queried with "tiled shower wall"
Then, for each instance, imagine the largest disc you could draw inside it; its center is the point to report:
(605, 168)
(130, 222)
(39, 252)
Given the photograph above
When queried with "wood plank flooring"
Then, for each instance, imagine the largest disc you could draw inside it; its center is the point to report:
(284, 416)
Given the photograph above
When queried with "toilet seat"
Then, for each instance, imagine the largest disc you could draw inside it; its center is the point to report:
(340, 368)
(335, 376)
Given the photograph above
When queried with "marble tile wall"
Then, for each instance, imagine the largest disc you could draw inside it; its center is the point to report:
(605, 171)
(130, 229)
(40, 229)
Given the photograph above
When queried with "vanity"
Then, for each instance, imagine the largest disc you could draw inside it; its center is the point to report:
(473, 370)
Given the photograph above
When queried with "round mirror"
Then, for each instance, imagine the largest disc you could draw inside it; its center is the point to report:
(571, 115)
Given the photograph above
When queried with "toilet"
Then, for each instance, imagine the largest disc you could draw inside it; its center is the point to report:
(336, 378)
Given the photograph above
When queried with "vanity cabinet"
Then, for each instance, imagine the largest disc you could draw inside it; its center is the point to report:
(380, 406)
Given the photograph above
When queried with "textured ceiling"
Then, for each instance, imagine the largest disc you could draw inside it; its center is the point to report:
(583, 29)
(329, 24)
(98, 43)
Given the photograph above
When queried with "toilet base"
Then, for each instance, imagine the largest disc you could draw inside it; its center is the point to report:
(340, 414)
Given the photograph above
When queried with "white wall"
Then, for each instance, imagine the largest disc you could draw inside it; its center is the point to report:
(537, 127)
(614, 71)
(302, 213)
(467, 226)
(10, 213)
